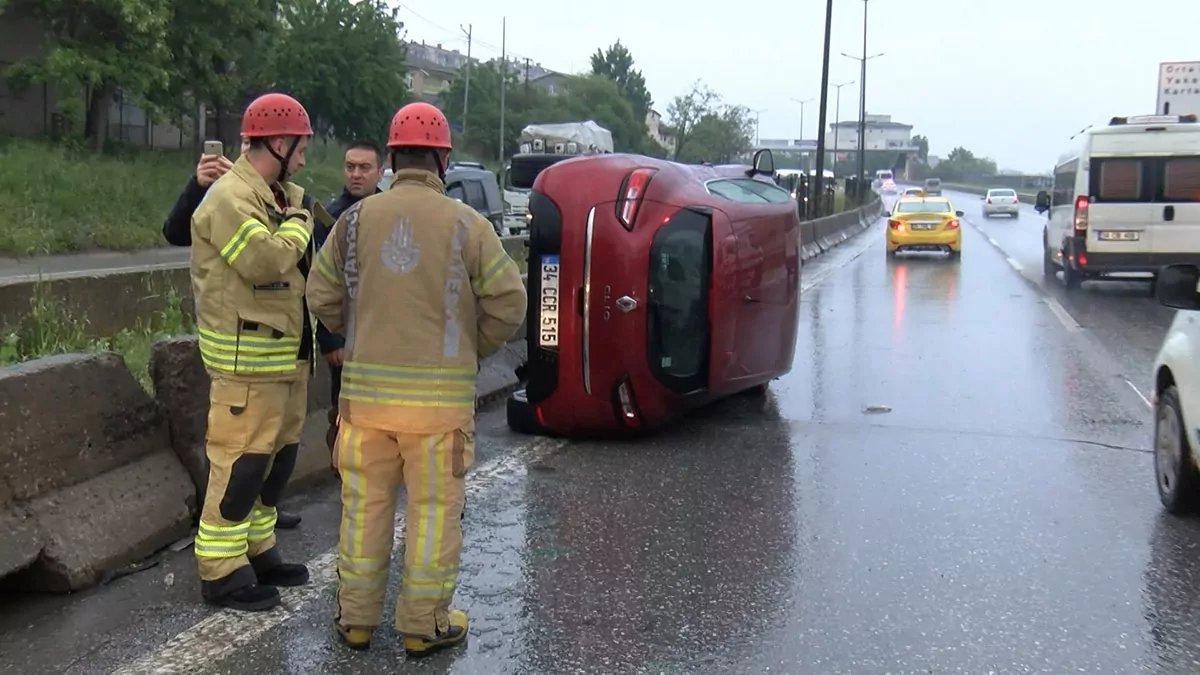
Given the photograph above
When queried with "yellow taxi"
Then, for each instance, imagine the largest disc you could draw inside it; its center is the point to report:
(924, 224)
(912, 192)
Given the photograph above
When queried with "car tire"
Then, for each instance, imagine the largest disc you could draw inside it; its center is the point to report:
(1175, 473)
(1049, 269)
(520, 415)
(956, 255)
(1072, 278)
(1016, 214)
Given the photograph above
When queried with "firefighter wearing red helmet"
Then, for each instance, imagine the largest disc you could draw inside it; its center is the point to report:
(422, 288)
(250, 254)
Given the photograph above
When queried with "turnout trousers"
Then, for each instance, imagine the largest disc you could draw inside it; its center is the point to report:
(373, 464)
(252, 441)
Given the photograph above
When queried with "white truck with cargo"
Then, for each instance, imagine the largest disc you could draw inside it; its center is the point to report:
(567, 138)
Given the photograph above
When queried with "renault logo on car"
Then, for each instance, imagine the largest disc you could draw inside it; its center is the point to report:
(626, 304)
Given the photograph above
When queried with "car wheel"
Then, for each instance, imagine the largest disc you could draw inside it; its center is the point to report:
(1049, 269)
(1016, 214)
(1071, 276)
(520, 415)
(1175, 471)
(956, 255)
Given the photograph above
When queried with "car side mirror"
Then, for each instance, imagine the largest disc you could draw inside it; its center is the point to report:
(763, 163)
(960, 214)
(887, 214)
(1041, 203)
(1176, 286)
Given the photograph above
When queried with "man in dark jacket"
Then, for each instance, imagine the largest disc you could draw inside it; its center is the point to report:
(362, 169)
(177, 229)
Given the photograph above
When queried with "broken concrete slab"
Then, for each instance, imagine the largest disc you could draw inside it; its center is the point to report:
(65, 419)
(112, 520)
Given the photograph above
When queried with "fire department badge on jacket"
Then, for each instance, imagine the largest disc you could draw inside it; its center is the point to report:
(401, 253)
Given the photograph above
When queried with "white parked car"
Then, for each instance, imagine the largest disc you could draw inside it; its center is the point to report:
(1001, 201)
(1177, 392)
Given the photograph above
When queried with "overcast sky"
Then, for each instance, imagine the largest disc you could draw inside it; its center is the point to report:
(1010, 80)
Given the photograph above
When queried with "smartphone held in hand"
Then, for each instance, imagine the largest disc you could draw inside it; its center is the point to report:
(214, 148)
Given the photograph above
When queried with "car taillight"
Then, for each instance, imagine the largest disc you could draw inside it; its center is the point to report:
(1081, 214)
(629, 199)
(626, 404)
(989, 200)
(895, 224)
(1016, 200)
(952, 224)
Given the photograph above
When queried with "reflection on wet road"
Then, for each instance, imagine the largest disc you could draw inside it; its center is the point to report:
(1121, 315)
(949, 481)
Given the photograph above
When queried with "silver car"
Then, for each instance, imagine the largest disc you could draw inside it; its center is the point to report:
(1001, 201)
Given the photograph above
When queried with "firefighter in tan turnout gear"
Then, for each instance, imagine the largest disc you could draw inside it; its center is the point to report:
(250, 244)
(422, 289)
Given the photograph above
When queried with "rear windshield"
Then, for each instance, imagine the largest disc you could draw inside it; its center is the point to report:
(885, 175)
(933, 181)
(1002, 193)
(923, 207)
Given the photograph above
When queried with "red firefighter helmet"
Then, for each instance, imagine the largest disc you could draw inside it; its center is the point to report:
(275, 115)
(419, 125)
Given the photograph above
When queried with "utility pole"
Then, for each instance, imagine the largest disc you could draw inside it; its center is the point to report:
(796, 100)
(527, 76)
(467, 85)
(862, 109)
(819, 194)
(503, 79)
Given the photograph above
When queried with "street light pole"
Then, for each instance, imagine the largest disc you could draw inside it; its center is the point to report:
(802, 122)
(837, 119)
(757, 115)
(862, 97)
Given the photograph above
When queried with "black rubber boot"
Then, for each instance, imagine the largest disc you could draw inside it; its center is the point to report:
(285, 520)
(254, 598)
(272, 571)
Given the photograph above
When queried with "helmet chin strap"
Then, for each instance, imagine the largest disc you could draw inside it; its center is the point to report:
(285, 160)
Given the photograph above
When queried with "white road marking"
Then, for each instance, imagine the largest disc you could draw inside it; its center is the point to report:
(198, 648)
(1069, 323)
(812, 282)
(1015, 265)
(1140, 394)
(993, 242)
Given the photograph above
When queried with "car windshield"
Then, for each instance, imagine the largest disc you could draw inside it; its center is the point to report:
(923, 206)
(933, 181)
(1002, 193)
(677, 339)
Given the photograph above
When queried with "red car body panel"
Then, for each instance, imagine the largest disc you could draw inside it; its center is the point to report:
(606, 315)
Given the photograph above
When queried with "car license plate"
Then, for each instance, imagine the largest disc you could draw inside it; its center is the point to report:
(1126, 235)
(922, 226)
(548, 315)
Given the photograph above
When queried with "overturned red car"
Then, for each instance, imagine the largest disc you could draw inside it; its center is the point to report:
(654, 287)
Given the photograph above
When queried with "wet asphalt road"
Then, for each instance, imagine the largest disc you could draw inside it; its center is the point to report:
(1121, 315)
(949, 481)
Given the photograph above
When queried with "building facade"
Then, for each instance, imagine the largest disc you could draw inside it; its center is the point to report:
(881, 134)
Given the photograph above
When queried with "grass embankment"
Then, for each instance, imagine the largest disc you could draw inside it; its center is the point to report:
(53, 328)
(57, 199)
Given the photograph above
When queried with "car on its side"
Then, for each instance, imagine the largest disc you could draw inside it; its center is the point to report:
(924, 224)
(1001, 201)
(654, 287)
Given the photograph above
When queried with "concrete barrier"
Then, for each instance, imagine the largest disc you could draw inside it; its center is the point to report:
(822, 234)
(88, 482)
(1025, 197)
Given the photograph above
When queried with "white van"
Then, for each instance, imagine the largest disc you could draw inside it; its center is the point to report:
(1126, 198)
(882, 176)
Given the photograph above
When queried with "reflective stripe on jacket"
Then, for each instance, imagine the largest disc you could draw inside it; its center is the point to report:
(249, 290)
(422, 288)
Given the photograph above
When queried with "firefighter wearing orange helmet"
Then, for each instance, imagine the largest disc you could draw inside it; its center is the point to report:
(422, 288)
(250, 253)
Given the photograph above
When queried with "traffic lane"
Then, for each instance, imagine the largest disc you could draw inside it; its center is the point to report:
(1123, 315)
(1001, 515)
(137, 615)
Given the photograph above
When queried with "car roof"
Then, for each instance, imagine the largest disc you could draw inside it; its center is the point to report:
(939, 200)
(1002, 190)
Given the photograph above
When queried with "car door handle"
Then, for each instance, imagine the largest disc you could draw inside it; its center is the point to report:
(1169, 213)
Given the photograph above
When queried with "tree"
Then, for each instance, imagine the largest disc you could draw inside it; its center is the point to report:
(720, 136)
(217, 47)
(343, 60)
(922, 144)
(616, 63)
(106, 48)
(686, 110)
(598, 98)
(962, 165)
(483, 116)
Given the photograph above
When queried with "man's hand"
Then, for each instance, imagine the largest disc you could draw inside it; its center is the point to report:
(334, 358)
(210, 168)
